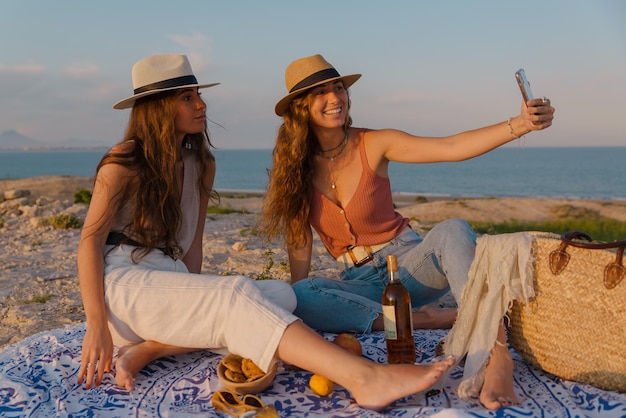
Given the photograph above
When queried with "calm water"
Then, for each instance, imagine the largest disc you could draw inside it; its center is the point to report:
(587, 173)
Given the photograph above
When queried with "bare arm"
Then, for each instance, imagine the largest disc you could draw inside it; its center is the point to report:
(193, 258)
(97, 343)
(300, 259)
(394, 145)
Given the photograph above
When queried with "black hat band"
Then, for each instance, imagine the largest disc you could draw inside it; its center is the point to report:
(166, 84)
(316, 78)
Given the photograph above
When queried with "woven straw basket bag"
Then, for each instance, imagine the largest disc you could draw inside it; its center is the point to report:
(575, 327)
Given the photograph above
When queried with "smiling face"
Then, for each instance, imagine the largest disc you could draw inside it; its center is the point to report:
(190, 113)
(328, 106)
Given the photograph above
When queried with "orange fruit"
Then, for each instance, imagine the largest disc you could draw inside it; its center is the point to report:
(320, 385)
(349, 342)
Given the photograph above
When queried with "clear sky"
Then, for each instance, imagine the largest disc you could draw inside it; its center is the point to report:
(429, 67)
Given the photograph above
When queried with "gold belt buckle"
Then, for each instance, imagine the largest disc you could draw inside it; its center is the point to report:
(364, 260)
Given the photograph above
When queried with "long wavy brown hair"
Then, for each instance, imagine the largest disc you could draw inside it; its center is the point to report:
(287, 200)
(150, 150)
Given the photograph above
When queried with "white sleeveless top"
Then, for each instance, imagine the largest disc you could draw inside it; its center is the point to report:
(190, 202)
(189, 205)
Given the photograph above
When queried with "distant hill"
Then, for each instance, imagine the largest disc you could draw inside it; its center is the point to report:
(14, 140)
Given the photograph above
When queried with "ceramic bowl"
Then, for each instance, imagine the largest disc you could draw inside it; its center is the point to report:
(256, 386)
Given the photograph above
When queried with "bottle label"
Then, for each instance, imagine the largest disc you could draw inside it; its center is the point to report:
(389, 319)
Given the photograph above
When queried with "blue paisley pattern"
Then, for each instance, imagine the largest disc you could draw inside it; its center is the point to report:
(38, 379)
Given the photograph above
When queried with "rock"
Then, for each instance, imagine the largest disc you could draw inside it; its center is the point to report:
(13, 212)
(77, 210)
(239, 246)
(16, 194)
(43, 200)
(30, 211)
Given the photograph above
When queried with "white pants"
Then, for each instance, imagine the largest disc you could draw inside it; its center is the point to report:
(159, 300)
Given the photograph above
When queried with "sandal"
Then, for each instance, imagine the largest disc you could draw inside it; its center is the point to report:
(268, 411)
(232, 404)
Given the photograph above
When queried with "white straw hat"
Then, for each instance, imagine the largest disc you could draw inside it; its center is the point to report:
(304, 73)
(158, 73)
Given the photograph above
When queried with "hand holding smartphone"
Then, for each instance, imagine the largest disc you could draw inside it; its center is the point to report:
(524, 85)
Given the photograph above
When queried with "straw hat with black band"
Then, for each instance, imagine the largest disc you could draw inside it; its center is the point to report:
(159, 73)
(305, 73)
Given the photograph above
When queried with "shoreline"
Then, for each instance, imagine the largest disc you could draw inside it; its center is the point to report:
(38, 275)
(39, 184)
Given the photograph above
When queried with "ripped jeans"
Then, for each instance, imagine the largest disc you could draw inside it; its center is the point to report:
(429, 268)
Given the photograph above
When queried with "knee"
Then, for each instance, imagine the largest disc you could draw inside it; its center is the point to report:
(304, 293)
(302, 287)
(302, 283)
(456, 229)
(307, 300)
(240, 283)
(287, 296)
(279, 292)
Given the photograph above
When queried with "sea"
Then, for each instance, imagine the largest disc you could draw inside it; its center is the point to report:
(516, 171)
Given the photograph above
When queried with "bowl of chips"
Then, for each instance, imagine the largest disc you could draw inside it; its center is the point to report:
(242, 376)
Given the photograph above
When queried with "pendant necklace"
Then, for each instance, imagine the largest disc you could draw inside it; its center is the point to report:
(341, 147)
(332, 184)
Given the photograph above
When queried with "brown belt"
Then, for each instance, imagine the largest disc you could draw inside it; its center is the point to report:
(358, 256)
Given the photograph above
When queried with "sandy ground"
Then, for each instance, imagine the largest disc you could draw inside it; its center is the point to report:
(38, 276)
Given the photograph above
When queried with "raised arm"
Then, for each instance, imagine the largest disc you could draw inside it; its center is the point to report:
(394, 145)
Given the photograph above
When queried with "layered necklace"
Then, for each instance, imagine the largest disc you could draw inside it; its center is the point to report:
(339, 150)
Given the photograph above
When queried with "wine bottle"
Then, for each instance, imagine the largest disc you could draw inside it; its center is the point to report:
(397, 317)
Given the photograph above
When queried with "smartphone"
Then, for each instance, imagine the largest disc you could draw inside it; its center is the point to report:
(524, 85)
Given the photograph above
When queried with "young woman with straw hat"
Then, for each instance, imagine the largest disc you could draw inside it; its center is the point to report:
(332, 177)
(140, 255)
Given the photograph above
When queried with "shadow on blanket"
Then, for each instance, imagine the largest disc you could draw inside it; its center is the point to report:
(38, 379)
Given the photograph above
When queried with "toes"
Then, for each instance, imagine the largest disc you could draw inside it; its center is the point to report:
(499, 402)
(492, 404)
(442, 366)
(449, 361)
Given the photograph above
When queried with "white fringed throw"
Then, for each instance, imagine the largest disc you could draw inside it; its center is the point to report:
(502, 271)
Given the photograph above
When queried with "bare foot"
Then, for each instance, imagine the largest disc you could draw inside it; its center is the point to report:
(426, 317)
(132, 358)
(390, 382)
(372, 385)
(497, 391)
(430, 317)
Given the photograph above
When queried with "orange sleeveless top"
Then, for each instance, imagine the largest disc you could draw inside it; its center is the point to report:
(368, 219)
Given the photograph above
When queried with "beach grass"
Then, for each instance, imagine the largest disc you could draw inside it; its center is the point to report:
(38, 299)
(219, 210)
(600, 229)
(82, 196)
(62, 221)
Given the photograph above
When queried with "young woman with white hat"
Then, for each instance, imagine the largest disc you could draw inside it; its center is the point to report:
(332, 177)
(140, 255)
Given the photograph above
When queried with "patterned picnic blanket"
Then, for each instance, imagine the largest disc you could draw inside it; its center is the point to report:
(38, 379)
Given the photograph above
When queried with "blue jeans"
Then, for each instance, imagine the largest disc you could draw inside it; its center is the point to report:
(429, 268)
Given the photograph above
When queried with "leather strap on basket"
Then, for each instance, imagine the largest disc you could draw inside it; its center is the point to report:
(613, 272)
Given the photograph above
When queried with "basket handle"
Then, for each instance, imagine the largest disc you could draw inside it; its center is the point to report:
(613, 272)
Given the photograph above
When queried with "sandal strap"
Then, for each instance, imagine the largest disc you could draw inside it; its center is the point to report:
(219, 401)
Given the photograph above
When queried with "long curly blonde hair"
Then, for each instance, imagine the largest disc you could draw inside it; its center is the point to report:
(150, 149)
(287, 200)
